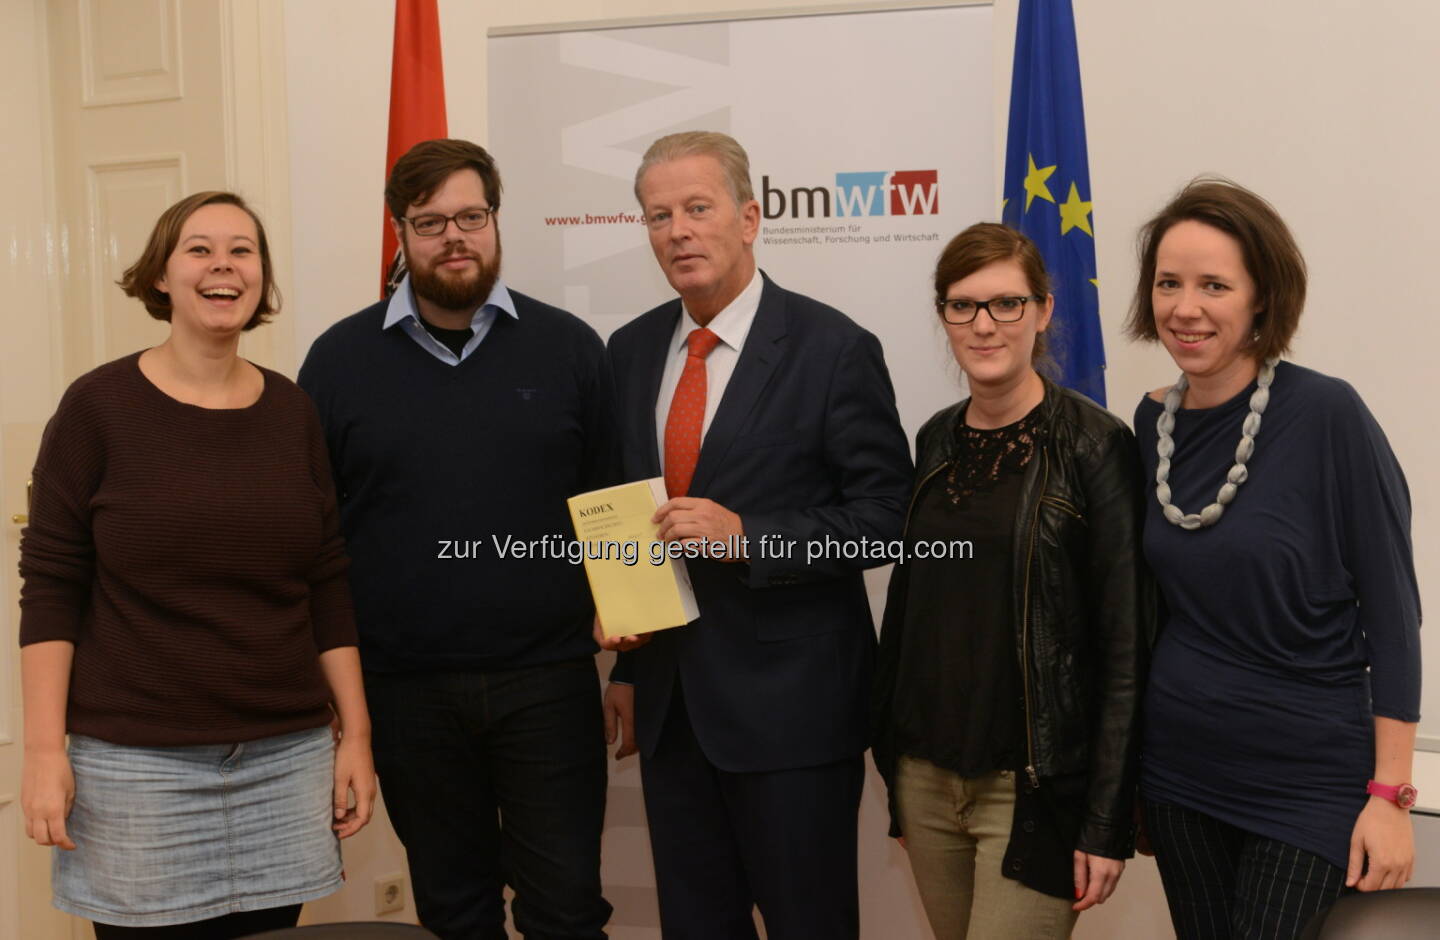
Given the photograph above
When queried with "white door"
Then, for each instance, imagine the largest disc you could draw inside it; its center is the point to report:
(147, 97)
(116, 108)
(29, 381)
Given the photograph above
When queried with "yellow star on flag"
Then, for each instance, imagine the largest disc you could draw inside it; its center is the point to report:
(1075, 214)
(1035, 183)
(1096, 282)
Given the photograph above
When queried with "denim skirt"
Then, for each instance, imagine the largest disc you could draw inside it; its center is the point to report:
(171, 835)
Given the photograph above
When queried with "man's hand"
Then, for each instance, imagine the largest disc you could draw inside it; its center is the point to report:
(618, 643)
(689, 519)
(619, 711)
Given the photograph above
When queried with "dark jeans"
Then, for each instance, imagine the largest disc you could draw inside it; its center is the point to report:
(492, 778)
(725, 843)
(1222, 882)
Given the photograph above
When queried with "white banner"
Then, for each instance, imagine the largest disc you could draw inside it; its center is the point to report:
(871, 142)
(870, 138)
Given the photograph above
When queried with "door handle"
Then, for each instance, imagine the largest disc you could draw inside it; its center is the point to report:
(22, 518)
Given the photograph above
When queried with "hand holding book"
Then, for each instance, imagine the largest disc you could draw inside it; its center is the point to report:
(688, 518)
(638, 585)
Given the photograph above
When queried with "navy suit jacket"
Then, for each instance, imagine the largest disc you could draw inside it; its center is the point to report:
(806, 445)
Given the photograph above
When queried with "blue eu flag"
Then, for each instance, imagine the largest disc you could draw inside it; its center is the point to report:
(1047, 184)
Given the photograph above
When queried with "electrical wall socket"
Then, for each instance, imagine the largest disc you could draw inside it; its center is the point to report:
(389, 894)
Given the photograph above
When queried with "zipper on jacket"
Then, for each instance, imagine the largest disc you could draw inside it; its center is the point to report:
(1064, 506)
(909, 512)
(1025, 626)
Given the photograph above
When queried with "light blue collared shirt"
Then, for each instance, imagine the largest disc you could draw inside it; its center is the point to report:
(402, 310)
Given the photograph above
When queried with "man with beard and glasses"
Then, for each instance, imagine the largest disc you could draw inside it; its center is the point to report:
(459, 416)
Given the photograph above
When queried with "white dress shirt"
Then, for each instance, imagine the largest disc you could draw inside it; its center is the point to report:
(732, 325)
(403, 310)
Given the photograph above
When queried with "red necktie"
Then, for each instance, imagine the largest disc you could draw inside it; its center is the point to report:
(687, 415)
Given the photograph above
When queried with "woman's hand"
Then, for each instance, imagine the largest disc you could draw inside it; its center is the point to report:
(354, 775)
(1384, 837)
(1095, 879)
(47, 785)
(354, 767)
(47, 791)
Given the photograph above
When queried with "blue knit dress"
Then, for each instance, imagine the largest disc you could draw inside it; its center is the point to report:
(1290, 623)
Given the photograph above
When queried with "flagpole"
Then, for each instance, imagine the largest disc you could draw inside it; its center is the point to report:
(417, 99)
(1046, 191)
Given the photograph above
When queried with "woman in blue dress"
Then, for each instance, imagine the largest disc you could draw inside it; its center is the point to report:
(1281, 707)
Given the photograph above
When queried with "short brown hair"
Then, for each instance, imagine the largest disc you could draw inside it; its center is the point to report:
(982, 245)
(1272, 259)
(140, 278)
(426, 166)
(734, 161)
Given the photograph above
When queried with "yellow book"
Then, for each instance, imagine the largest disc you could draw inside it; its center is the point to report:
(637, 586)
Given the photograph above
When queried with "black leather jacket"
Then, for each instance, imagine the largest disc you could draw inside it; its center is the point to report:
(1084, 615)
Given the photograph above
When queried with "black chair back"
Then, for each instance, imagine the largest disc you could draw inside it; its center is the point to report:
(1405, 914)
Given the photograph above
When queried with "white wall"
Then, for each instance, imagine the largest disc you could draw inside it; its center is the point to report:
(1325, 110)
(1326, 107)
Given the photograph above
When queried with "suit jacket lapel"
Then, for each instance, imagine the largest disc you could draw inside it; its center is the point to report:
(758, 359)
(654, 353)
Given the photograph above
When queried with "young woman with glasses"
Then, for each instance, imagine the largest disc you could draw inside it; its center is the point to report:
(1008, 688)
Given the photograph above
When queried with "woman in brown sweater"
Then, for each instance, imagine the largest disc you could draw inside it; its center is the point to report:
(186, 618)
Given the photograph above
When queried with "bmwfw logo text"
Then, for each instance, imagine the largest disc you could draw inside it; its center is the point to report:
(886, 192)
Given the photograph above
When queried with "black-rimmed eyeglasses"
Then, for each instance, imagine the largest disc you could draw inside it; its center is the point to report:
(1001, 309)
(466, 220)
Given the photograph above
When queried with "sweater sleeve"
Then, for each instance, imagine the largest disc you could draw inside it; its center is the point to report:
(315, 380)
(57, 547)
(602, 437)
(332, 614)
(1374, 511)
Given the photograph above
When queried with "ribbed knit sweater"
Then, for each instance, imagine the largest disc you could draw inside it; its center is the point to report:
(193, 557)
(446, 472)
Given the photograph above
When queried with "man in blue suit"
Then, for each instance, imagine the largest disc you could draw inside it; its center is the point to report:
(773, 420)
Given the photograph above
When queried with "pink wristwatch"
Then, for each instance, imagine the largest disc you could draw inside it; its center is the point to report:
(1402, 795)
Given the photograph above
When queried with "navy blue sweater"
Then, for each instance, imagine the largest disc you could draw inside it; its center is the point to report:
(437, 466)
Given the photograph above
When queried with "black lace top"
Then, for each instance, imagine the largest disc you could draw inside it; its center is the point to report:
(959, 701)
(984, 455)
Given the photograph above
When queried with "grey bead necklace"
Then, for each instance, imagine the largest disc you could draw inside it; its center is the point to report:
(1165, 447)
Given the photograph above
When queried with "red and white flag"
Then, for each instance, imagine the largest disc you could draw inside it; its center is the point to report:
(417, 98)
